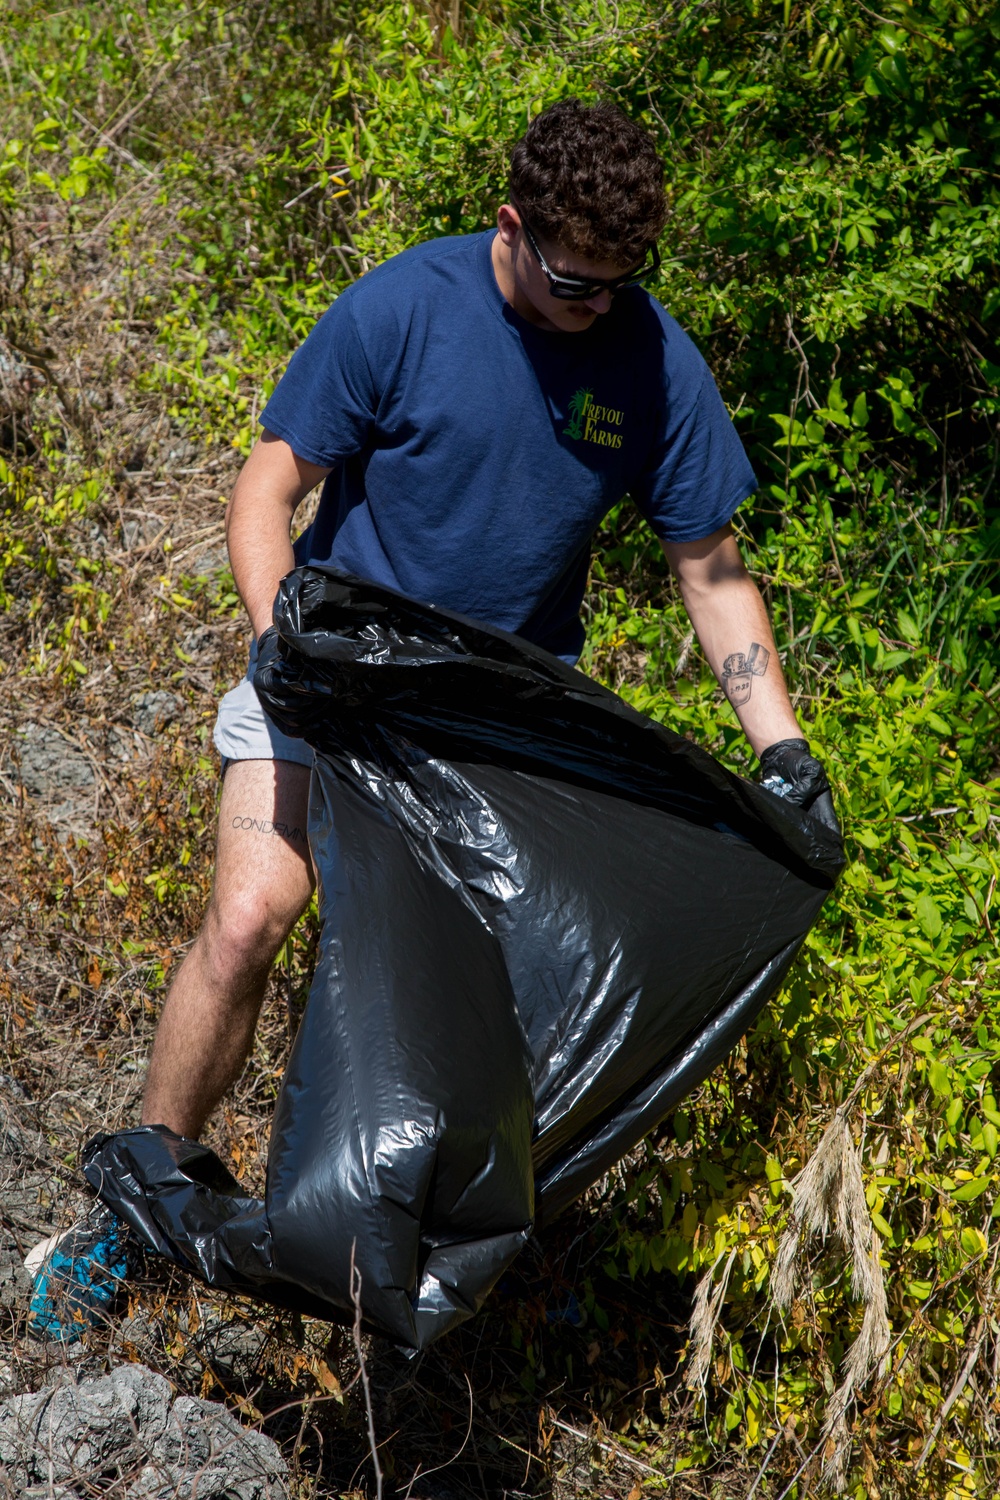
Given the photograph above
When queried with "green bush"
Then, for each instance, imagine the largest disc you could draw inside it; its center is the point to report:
(833, 247)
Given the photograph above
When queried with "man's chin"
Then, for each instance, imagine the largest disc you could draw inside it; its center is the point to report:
(578, 322)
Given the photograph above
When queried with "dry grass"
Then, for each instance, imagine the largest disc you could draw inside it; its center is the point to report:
(828, 1199)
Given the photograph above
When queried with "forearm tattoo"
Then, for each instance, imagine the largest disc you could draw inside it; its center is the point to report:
(739, 671)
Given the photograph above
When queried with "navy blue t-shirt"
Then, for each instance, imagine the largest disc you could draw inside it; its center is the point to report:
(474, 455)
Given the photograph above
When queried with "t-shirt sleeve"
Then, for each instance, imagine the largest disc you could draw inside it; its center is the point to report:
(697, 474)
(324, 405)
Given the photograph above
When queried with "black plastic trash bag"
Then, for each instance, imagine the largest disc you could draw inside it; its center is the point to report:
(545, 920)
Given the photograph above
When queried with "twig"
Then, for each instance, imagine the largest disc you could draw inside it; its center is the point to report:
(961, 1380)
(39, 359)
(339, 251)
(363, 1370)
(113, 129)
(608, 1445)
(763, 1468)
(423, 1473)
(312, 188)
(111, 143)
(813, 1453)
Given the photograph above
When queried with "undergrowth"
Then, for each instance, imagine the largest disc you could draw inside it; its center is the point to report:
(183, 189)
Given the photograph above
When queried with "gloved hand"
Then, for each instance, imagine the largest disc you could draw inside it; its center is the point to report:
(267, 645)
(268, 656)
(787, 768)
(276, 677)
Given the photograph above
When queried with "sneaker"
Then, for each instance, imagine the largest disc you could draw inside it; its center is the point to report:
(79, 1275)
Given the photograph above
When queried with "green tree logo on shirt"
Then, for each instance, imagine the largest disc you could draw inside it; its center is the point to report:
(592, 423)
(577, 411)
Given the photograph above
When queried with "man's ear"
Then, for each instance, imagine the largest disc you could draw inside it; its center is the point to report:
(508, 223)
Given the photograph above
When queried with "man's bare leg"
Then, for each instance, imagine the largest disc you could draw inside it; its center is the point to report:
(263, 881)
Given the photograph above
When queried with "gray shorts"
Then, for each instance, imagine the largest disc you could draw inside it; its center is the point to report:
(244, 732)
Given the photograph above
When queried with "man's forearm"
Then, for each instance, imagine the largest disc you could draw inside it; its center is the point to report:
(260, 553)
(732, 626)
(258, 522)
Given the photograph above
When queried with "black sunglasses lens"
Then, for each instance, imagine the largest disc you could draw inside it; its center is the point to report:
(580, 291)
(572, 291)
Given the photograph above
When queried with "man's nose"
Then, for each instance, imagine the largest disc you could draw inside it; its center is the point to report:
(599, 304)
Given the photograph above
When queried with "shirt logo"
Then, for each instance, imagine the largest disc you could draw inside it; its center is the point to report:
(590, 423)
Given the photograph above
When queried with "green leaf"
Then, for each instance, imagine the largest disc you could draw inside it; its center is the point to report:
(928, 915)
(973, 1241)
(938, 1077)
(907, 627)
(969, 1191)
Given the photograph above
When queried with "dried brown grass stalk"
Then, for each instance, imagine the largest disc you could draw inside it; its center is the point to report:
(708, 1300)
(828, 1198)
(363, 1370)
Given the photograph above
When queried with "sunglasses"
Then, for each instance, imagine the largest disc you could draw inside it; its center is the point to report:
(576, 288)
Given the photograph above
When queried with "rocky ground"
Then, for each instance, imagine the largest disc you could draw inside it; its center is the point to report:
(186, 1396)
(129, 1432)
(69, 1429)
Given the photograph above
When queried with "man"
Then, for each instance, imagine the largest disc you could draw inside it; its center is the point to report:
(473, 409)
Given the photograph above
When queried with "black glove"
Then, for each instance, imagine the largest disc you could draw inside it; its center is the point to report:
(267, 656)
(787, 768)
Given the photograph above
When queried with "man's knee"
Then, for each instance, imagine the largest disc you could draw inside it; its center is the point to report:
(243, 929)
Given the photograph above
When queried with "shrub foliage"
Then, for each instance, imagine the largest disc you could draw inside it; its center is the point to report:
(183, 189)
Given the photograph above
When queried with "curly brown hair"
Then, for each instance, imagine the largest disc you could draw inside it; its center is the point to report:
(589, 179)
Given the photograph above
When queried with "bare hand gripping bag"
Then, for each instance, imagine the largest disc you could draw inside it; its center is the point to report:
(545, 919)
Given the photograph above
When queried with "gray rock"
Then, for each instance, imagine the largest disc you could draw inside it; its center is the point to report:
(122, 745)
(141, 530)
(232, 1348)
(50, 767)
(209, 560)
(128, 1430)
(76, 1430)
(12, 367)
(203, 646)
(93, 538)
(151, 711)
(201, 641)
(204, 1453)
(182, 452)
(15, 1287)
